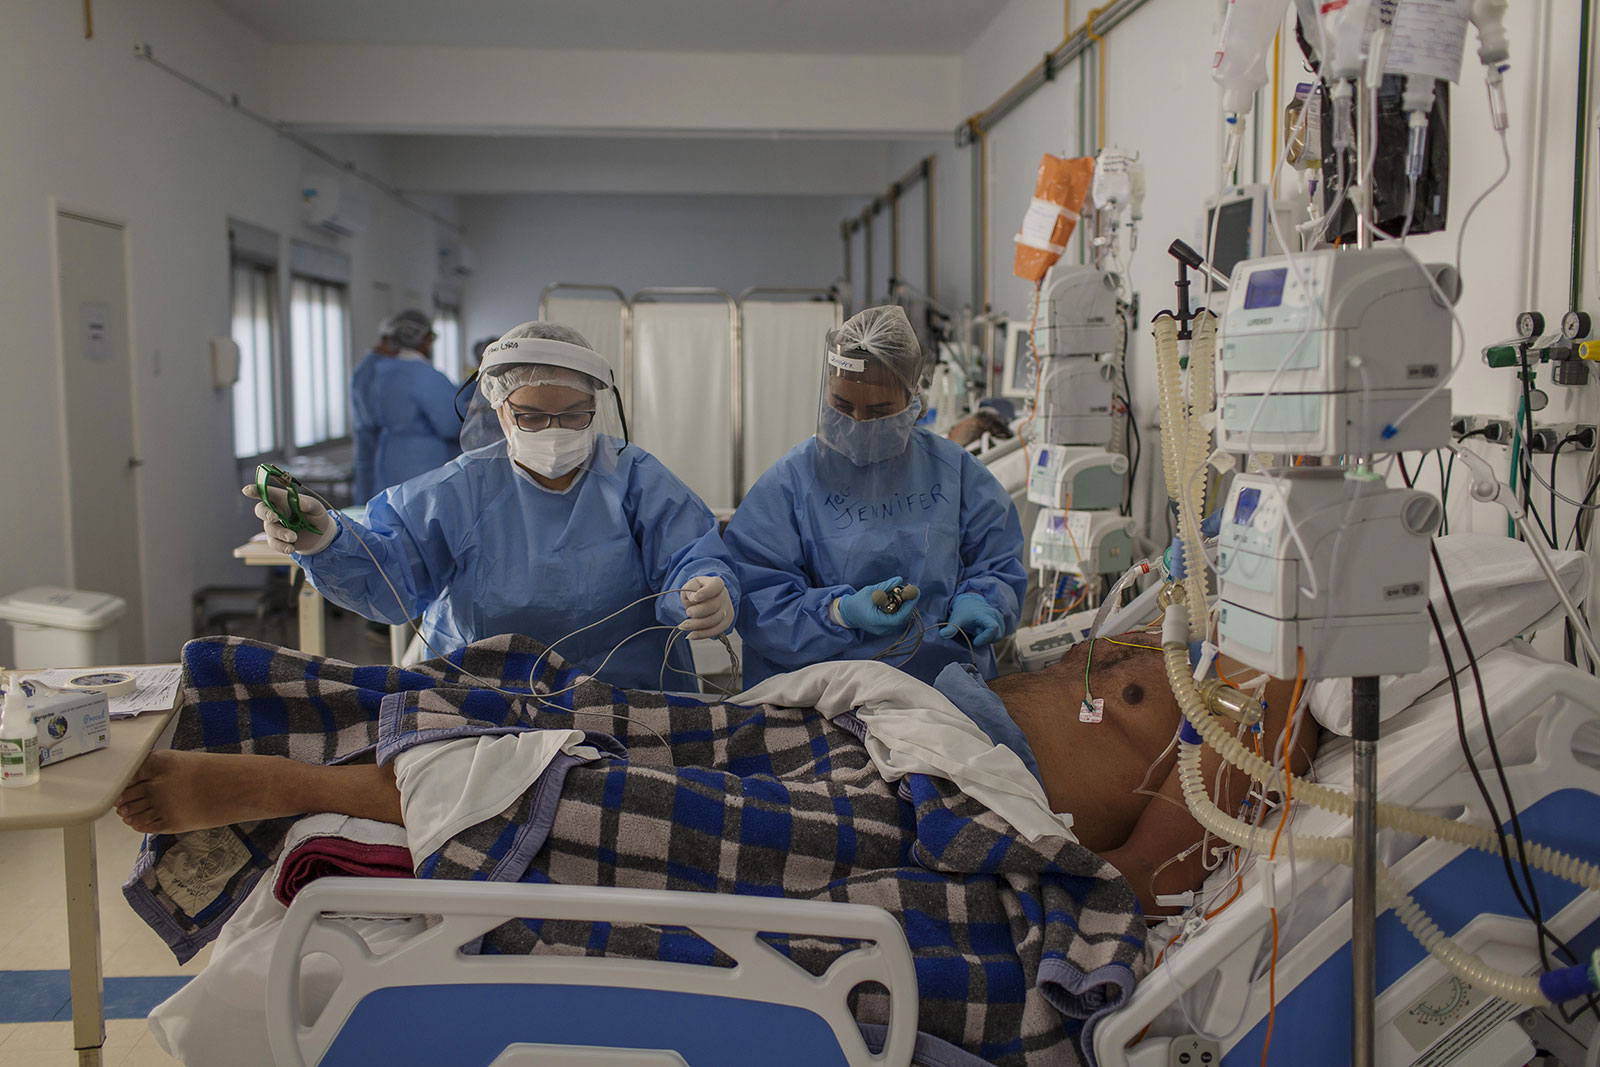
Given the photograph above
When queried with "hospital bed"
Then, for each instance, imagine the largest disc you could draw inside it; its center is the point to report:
(1213, 981)
(1547, 720)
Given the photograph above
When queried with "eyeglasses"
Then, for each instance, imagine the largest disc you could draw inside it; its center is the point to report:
(532, 421)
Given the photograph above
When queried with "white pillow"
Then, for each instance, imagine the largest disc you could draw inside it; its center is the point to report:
(1500, 592)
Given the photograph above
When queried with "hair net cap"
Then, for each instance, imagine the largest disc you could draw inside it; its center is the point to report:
(883, 334)
(408, 328)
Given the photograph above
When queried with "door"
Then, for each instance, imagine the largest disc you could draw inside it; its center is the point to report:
(102, 466)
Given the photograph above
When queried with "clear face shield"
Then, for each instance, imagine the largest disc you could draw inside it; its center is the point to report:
(865, 417)
(556, 404)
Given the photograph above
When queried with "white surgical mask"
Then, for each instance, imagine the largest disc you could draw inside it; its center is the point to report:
(551, 452)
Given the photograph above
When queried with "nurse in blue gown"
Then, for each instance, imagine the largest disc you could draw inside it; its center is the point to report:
(869, 503)
(549, 529)
(403, 414)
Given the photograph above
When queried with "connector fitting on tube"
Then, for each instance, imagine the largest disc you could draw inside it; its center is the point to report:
(1223, 699)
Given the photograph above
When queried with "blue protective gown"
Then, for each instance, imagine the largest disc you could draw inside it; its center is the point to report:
(478, 548)
(364, 426)
(802, 538)
(414, 409)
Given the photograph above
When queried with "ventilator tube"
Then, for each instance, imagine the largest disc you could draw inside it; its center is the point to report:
(1199, 725)
(1186, 441)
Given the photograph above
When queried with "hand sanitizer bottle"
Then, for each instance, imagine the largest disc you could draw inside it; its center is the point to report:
(19, 740)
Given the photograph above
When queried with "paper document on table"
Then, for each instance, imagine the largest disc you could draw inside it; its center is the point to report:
(154, 688)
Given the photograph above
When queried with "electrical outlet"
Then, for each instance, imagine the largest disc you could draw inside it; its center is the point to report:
(1192, 1051)
(1568, 436)
(1488, 427)
(1496, 431)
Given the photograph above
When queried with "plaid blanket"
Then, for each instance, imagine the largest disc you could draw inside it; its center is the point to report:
(1018, 947)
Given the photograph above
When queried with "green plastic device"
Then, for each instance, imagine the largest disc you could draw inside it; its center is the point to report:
(266, 474)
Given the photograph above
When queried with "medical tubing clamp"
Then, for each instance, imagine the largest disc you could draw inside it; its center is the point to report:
(1199, 725)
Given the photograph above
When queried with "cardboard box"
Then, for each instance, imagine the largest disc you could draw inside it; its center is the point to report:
(69, 723)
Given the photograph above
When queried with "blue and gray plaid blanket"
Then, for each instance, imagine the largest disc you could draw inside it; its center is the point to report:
(1018, 947)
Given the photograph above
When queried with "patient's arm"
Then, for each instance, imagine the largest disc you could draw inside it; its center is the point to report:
(1166, 828)
(177, 791)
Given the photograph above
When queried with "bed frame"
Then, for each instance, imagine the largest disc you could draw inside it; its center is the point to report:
(426, 1002)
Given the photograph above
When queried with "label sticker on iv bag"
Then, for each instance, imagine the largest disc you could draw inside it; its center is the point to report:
(838, 359)
(1092, 710)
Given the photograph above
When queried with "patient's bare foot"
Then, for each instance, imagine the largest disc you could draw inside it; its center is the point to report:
(177, 791)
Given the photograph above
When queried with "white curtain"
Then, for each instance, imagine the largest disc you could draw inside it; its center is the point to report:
(783, 350)
(599, 319)
(682, 391)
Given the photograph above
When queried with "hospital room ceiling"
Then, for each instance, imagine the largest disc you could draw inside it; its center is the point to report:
(884, 27)
(688, 97)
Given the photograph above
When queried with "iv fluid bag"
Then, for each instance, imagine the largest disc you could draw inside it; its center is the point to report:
(1240, 63)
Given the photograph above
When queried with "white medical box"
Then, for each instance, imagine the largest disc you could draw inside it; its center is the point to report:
(55, 627)
(69, 723)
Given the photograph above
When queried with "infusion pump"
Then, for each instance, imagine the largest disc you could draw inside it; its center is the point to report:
(1340, 344)
(1331, 561)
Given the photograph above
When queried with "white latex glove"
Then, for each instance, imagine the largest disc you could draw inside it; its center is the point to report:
(709, 607)
(285, 540)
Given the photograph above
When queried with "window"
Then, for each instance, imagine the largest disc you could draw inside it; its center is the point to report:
(255, 327)
(320, 368)
(447, 341)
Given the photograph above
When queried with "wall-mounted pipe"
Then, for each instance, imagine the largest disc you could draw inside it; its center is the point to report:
(889, 200)
(974, 130)
(1582, 156)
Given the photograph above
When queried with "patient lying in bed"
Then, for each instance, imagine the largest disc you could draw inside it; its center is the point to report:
(847, 782)
(1091, 770)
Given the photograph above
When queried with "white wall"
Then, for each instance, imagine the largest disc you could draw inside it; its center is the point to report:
(87, 125)
(1161, 103)
(527, 242)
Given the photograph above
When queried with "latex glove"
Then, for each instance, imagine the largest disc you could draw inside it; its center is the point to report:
(858, 610)
(973, 615)
(709, 607)
(286, 540)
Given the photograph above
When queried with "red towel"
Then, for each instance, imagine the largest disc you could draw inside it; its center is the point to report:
(321, 857)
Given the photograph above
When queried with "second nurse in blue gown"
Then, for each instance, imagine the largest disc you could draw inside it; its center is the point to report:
(870, 502)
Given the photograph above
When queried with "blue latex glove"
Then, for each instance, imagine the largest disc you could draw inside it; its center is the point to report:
(974, 615)
(858, 610)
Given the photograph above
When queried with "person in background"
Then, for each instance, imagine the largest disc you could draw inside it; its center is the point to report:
(558, 529)
(363, 427)
(869, 503)
(404, 414)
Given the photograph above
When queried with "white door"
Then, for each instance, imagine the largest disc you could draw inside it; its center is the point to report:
(102, 467)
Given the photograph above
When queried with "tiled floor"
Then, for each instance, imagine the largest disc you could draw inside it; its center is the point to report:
(33, 937)
(33, 924)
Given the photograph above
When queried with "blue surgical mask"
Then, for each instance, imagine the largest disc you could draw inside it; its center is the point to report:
(869, 441)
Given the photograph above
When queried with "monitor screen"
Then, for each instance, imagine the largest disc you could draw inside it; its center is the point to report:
(1234, 241)
(1018, 365)
(1265, 289)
